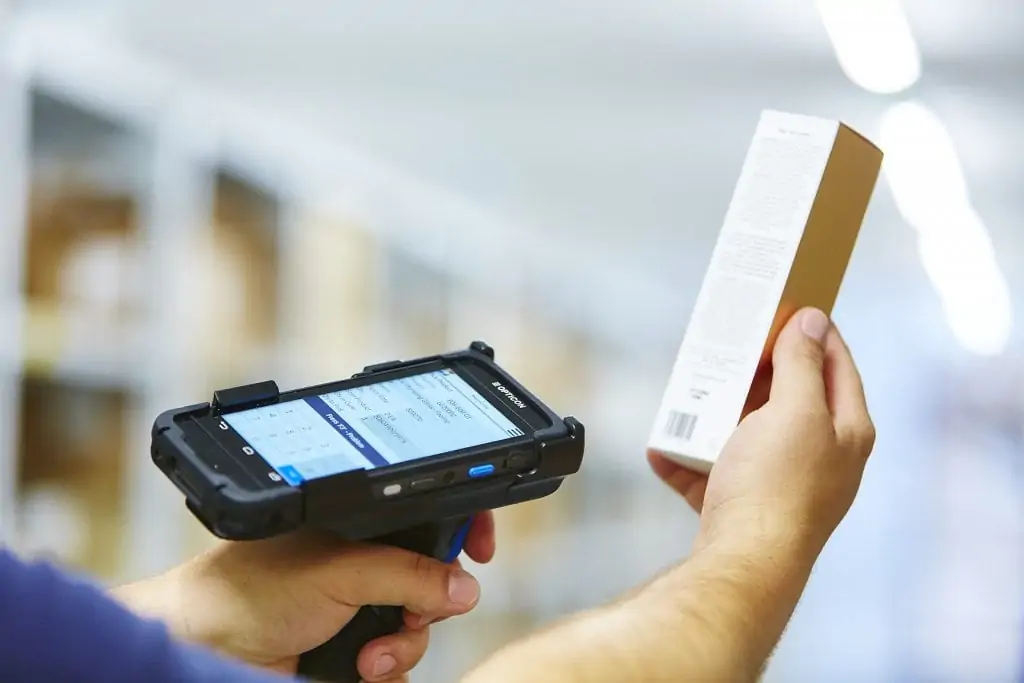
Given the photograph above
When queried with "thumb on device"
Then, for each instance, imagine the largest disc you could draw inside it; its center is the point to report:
(384, 575)
(798, 359)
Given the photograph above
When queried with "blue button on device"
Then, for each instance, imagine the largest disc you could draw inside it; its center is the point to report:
(478, 471)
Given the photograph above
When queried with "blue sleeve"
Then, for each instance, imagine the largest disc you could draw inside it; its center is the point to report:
(56, 628)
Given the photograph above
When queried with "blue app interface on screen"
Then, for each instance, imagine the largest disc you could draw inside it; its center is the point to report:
(374, 425)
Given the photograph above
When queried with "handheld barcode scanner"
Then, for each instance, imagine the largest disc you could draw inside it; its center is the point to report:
(403, 453)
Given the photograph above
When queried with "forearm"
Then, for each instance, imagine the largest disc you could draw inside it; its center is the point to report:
(719, 616)
(716, 617)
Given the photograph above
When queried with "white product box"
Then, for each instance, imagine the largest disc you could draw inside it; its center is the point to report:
(785, 243)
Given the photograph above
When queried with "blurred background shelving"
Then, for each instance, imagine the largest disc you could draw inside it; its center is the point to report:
(81, 286)
(292, 196)
(71, 491)
(263, 280)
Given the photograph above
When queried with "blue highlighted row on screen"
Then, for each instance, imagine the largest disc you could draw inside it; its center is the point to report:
(329, 414)
(292, 475)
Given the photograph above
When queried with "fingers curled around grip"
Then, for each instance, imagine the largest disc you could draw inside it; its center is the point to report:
(383, 575)
(391, 657)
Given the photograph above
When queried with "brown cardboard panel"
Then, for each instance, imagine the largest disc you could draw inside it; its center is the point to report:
(830, 236)
(234, 284)
(78, 249)
(245, 233)
(73, 440)
(332, 296)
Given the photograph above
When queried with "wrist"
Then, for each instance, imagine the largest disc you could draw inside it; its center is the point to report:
(176, 599)
(729, 601)
(199, 611)
(156, 599)
(758, 536)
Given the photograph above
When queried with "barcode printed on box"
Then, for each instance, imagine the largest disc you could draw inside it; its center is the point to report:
(680, 425)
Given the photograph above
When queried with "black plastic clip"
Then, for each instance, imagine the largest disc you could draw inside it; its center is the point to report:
(482, 347)
(250, 395)
(380, 367)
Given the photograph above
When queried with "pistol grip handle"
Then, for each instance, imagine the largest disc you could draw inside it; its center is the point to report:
(335, 660)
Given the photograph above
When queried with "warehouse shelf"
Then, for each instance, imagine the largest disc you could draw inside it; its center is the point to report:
(331, 323)
(244, 249)
(312, 167)
(14, 113)
(235, 284)
(68, 343)
(70, 463)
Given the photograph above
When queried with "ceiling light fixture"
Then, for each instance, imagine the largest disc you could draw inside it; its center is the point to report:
(930, 191)
(873, 43)
(922, 166)
(974, 294)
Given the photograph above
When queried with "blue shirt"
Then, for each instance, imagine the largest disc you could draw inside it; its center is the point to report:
(56, 629)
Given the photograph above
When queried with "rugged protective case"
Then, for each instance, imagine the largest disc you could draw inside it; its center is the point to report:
(351, 504)
(432, 523)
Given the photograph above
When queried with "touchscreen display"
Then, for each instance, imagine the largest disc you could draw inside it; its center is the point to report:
(371, 426)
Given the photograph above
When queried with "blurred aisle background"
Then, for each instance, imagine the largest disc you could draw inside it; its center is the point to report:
(196, 195)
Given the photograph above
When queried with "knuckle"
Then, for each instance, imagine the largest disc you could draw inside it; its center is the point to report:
(422, 567)
(428, 573)
(415, 647)
(860, 437)
(868, 436)
(810, 352)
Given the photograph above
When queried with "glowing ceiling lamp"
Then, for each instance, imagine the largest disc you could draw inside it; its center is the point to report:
(922, 166)
(876, 50)
(974, 293)
(873, 43)
(930, 191)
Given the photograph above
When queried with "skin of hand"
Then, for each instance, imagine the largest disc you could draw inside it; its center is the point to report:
(814, 422)
(267, 602)
(782, 484)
